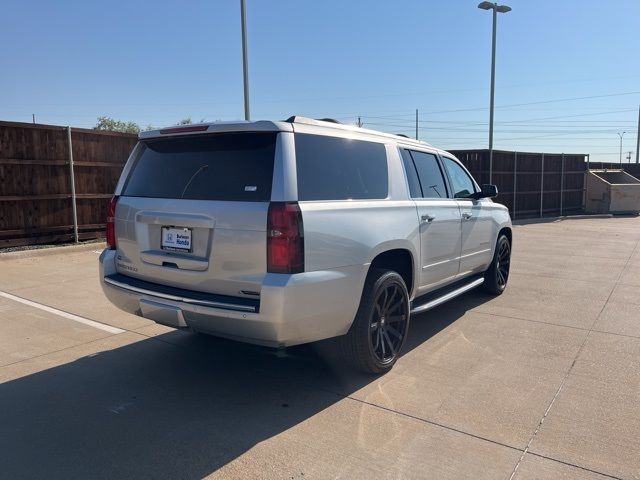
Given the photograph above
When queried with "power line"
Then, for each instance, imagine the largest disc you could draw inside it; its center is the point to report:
(503, 131)
(521, 120)
(540, 102)
(183, 104)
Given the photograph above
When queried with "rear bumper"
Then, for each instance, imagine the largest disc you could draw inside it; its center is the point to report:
(292, 309)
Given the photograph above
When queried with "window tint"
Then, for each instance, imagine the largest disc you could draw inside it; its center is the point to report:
(461, 182)
(412, 176)
(430, 175)
(236, 166)
(331, 168)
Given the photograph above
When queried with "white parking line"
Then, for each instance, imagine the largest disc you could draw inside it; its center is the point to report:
(61, 313)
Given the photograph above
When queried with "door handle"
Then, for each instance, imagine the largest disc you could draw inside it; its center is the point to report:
(466, 216)
(427, 218)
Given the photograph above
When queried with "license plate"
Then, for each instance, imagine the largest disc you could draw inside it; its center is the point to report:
(178, 239)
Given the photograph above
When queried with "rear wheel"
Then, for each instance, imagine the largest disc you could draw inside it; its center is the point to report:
(379, 330)
(497, 275)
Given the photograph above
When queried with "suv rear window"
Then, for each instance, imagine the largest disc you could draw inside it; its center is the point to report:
(331, 168)
(228, 166)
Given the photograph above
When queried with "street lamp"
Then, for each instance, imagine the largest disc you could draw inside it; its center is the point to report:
(245, 58)
(621, 135)
(496, 9)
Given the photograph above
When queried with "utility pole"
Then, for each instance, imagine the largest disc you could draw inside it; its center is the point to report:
(34, 117)
(621, 135)
(245, 59)
(638, 137)
(416, 124)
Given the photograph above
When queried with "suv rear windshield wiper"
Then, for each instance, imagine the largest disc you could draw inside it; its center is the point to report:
(195, 174)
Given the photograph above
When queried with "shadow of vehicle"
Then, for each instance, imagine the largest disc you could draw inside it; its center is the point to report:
(174, 406)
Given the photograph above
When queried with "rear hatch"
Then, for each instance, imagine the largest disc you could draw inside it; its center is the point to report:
(192, 212)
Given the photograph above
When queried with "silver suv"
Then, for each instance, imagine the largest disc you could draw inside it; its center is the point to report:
(286, 232)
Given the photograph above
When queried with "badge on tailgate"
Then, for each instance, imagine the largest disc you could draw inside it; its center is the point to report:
(176, 239)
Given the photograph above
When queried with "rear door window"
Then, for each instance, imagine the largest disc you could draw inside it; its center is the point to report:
(229, 166)
(332, 168)
(430, 175)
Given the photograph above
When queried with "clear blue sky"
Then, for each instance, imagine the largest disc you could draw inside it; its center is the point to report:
(155, 62)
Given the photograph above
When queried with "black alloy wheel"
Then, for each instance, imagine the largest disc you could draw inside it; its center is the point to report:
(502, 266)
(379, 330)
(497, 275)
(389, 321)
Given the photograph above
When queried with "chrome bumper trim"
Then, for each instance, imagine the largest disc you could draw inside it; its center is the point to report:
(191, 301)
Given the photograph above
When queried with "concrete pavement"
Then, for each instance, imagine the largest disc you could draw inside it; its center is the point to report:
(542, 382)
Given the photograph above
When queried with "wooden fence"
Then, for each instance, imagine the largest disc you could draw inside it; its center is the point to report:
(531, 184)
(35, 181)
(36, 203)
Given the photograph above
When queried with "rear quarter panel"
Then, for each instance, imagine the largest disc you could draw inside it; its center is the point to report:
(342, 233)
(339, 234)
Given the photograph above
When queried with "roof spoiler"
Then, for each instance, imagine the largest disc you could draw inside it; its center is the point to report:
(311, 121)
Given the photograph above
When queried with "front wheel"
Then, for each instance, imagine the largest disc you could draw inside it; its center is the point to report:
(380, 328)
(497, 275)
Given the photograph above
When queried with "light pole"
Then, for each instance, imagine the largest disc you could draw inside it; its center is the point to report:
(245, 59)
(621, 135)
(638, 138)
(496, 9)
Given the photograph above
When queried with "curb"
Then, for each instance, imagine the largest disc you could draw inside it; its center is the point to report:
(527, 221)
(586, 216)
(43, 252)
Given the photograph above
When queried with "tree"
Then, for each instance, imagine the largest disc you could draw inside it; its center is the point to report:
(189, 121)
(111, 125)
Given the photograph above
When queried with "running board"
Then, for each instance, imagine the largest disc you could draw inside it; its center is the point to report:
(447, 296)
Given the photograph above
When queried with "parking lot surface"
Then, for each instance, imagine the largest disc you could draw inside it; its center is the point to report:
(541, 382)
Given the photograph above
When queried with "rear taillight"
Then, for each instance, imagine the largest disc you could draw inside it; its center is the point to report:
(285, 242)
(111, 223)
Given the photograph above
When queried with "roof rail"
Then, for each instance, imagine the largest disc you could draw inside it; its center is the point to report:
(331, 123)
(300, 119)
(331, 120)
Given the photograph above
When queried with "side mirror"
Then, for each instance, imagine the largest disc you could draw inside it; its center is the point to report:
(486, 191)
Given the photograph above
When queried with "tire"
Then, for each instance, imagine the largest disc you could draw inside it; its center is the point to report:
(374, 341)
(497, 275)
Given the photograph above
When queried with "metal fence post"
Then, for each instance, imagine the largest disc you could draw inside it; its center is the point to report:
(73, 187)
(561, 183)
(542, 185)
(586, 184)
(515, 177)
